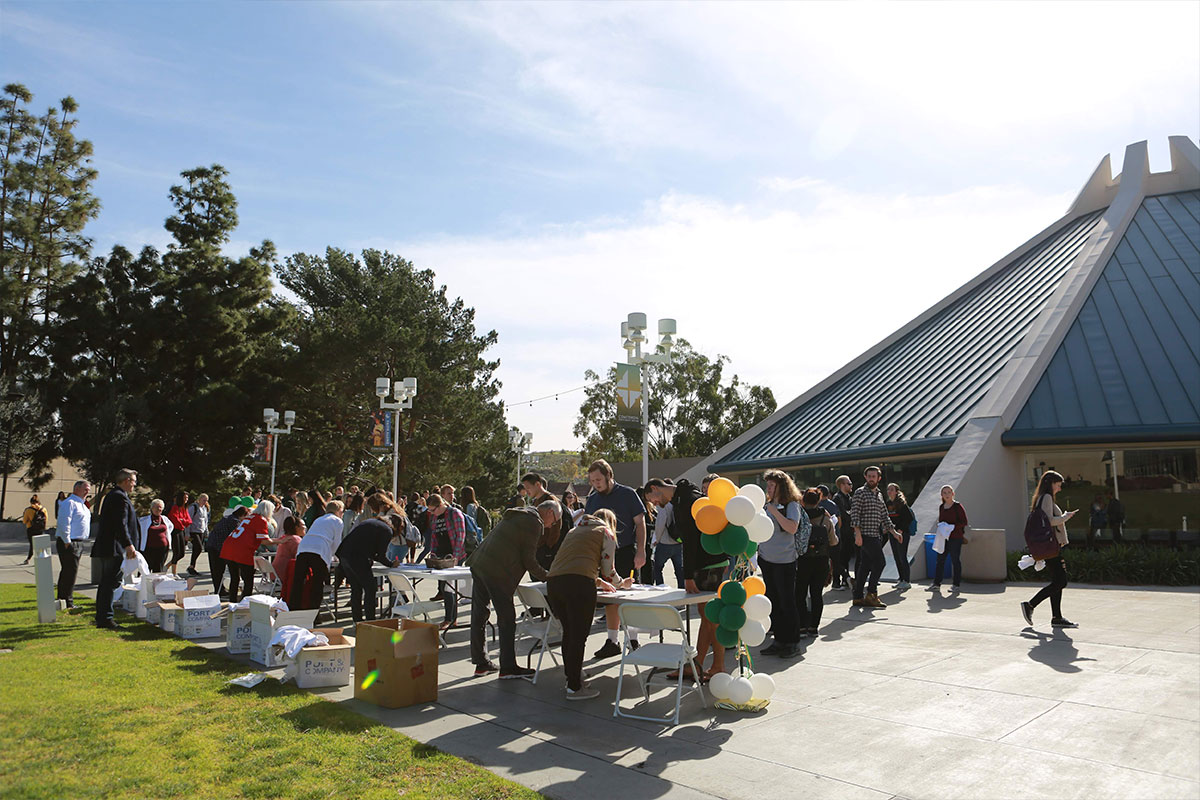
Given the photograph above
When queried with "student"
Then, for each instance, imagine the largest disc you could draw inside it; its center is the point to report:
(365, 544)
(1048, 487)
(585, 563)
(181, 520)
(447, 539)
(667, 546)
(35, 523)
(314, 556)
(197, 531)
(846, 549)
(156, 532)
(217, 535)
(902, 518)
(868, 515)
(812, 565)
(951, 512)
(287, 544)
(777, 560)
(240, 546)
(497, 566)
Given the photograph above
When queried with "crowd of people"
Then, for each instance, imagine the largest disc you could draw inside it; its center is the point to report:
(613, 538)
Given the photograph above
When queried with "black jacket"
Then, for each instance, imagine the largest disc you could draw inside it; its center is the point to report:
(367, 541)
(118, 526)
(694, 557)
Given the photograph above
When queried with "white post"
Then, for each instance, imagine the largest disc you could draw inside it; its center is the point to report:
(274, 458)
(43, 566)
(645, 428)
(396, 456)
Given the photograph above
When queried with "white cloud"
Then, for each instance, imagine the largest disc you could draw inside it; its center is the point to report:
(790, 288)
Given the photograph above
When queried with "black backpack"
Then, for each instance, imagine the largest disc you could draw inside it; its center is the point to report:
(38, 523)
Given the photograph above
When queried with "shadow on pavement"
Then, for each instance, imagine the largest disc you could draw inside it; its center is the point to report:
(1055, 650)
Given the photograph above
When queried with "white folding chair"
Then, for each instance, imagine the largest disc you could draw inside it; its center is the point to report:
(543, 629)
(268, 581)
(655, 656)
(412, 608)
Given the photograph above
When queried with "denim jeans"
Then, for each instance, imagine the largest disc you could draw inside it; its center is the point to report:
(663, 553)
(781, 591)
(954, 550)
(868, 566)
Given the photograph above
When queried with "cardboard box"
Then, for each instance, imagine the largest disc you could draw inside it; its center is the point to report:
(130, 594)
(263, 622)
(195, 620)
(237, 628)
(153, 612)
(405, 668)
(324, 665)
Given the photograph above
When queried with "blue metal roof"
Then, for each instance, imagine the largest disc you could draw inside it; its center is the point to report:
(889, 404)
(1129, 367)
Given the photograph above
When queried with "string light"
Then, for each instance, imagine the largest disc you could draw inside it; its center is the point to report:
(547, 397)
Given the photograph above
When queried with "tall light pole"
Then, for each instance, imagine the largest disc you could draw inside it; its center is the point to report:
(271, 418)
(633, 339)
(404, 391)
(520, 443)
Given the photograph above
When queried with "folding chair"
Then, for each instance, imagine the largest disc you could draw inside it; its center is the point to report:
(656, 655)
(407, 605)
(543, 629)
(268, 582)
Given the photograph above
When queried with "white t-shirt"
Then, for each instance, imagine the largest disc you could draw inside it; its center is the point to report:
(322, 538)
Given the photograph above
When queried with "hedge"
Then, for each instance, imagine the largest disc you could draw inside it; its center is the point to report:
(1122, 564)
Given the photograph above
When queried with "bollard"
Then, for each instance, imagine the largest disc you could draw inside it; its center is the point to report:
(43, 567)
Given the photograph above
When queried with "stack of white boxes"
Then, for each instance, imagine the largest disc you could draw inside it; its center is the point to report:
(195, 619)
(263, 621)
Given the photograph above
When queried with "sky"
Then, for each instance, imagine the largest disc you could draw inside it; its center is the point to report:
(791, 182)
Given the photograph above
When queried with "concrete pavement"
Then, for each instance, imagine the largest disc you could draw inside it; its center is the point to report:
(937, 696)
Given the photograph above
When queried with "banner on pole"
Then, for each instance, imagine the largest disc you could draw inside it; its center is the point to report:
(629, 396)
(263, 442)
(381, 430)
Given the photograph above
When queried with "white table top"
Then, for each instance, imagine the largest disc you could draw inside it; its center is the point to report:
(639, 593)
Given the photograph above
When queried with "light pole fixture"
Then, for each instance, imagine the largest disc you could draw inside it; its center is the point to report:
(521, 442)
(633, 338)
(404, 392)
(271, 418)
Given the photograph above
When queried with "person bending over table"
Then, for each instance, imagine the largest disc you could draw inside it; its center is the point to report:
(497, 566)
(704, 571)
(314, 555)
(584, 563)
(367, 542)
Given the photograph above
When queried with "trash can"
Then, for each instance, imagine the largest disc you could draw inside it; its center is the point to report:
(931, 559)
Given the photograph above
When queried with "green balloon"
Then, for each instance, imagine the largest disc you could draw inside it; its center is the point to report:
(248, 502)
(733, 593)
(751, 549)
(734, 539)
(713, 609)
(733, 617)
(235, 501)
(727, 637)
(711, 544)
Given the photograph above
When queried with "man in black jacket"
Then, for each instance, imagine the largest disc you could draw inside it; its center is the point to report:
(846, 550)
(118, 530)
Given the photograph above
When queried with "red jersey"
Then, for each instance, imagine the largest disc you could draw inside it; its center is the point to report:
(241, 545)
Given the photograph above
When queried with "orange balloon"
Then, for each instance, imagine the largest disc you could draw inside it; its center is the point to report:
(754, 585)
(721, 491)
(711, 520)
(699, 504)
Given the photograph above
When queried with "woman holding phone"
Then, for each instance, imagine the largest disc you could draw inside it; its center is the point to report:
(1048, 487)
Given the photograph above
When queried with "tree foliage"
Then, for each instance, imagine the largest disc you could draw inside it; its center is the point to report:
(379, 316)
(691, 413)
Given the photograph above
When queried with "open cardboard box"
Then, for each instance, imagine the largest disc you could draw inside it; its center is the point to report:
(264, 621)
(405, 667)
(237, 627)
(194, 619)
(323, 665)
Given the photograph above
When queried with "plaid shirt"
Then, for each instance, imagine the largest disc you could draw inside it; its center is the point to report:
(456, 532)
(868, 512)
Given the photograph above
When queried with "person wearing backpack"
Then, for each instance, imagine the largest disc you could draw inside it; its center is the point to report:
(777, 560)
(35, 523)
(812, 565)
(1043, 503)
(904, 521)
(473, 509)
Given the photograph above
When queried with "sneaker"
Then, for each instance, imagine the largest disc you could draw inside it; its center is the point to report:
(903, 585)
(955, 588)
(1060, 622)
(192, 571)
(485, 669)
(858, 601)
(609, 650)
(108, 625)
(789, 651)
(935, 587)
(1027, 613)
(518, 672)
(634, 645)
(582, 693)
(872, 601)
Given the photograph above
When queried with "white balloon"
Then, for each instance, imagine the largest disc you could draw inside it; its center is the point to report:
(757, 607)
(763, 684)
(755, 493)
(740, 691)
(753, 633)
(740, 510)
(760, 528)
(719, 685)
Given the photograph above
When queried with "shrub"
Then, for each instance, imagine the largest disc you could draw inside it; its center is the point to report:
(1125, 564)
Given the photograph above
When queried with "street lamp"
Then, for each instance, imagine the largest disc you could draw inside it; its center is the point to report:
(271, 418)
(633, 338)
(520, 442)
(404, 392)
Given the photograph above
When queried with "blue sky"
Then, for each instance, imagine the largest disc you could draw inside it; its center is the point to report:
(560, 165)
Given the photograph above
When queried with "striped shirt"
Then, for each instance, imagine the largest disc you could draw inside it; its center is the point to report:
(868, 512)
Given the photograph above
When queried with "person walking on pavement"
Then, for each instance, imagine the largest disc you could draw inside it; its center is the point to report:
(35, 523)
(869, 517)
(118, 531)
(74, 522)
(1043, 498)
(197, 531)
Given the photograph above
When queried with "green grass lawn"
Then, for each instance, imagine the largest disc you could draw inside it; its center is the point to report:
(142, 714)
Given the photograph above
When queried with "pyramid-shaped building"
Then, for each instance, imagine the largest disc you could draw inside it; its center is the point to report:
(1079, 351)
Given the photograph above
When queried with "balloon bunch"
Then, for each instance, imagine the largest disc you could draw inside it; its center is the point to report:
(248, 502)
(734, 524)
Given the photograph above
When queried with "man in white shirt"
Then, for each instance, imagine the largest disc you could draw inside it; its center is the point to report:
(74, 527)
(314, 557)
